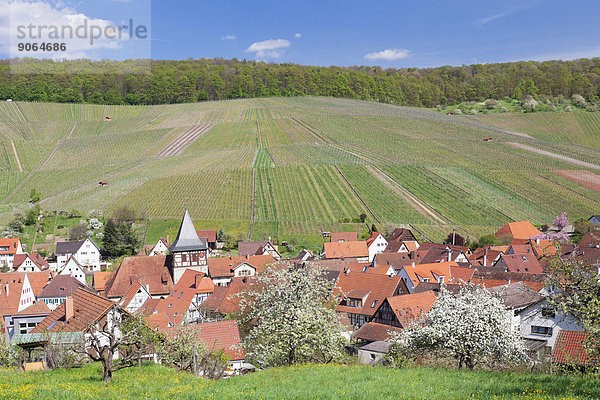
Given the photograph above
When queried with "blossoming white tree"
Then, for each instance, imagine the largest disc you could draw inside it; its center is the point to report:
(473, 326)
(293, 321)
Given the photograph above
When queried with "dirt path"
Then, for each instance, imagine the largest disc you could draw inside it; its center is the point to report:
(16, 155)
(416, 203)
(554, 155)
(356, 194)
(183, 141)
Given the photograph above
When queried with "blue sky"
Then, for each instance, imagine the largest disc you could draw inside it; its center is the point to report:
(425, 33)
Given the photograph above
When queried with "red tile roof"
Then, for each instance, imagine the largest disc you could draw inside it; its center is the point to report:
(344, 237)
(35, 258)
(430, 272)
(590, 239)
(373, 331)
(222, 335)
(171, 310)
(149, 270)
(371, 239)
(11, 243)
(525, 263)
(224, 266)
(61, 286)
(517, 230)
(400, 235)
(224, 299)
(408, 307)
(87, 309)
(210, 235)
(346, 250)
(569, 348)
(101, 279)
(373, 288)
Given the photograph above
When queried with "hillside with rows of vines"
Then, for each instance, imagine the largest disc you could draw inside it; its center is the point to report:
(286, 167)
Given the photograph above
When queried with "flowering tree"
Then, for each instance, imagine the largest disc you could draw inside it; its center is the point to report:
(559, 222)
(293, 321)
(472, 326)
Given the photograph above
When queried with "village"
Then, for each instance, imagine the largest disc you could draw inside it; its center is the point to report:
(380, 286)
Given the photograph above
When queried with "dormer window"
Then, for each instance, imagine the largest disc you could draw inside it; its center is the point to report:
(374, 304)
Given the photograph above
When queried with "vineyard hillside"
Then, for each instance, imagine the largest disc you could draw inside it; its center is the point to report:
(286, 167)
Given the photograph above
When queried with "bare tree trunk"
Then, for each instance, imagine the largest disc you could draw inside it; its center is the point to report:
(107, 370)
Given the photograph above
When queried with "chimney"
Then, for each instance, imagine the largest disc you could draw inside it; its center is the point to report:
(485, 258)
(68, 308)
(449, 253)
(537, 241)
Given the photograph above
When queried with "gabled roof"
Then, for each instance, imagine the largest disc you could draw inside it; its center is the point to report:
(344, 237)
(222, 335)
(400, 235)
(224, 300)
(373, 288)
(374, 235)
(346, 249)
(490, 254)
(224, 266)
(87, 309)
(209, 234)
(373, 331)
(131, 292)
(590, 239)
(493, 278)
(409, 307)
(72, 247)
(171, 310)
(253, 248)
(526, 263)
(187, 238)
(34, 257)
(569, 348)
(518, 230)
(148, 270)
(61, 286)
(429, 272)
(397, 260)
(11, 243)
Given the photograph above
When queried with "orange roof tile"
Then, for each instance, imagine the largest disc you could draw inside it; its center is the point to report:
(39, 307)
(224, 266)
(149, 270)
(346, 249)
(371, 288)
(11, 244)
(518, 230)
(344, 237)
(408, 307)
(569, 348)
(222, 335)
(88, 308)
(101, 279)
(430, 272)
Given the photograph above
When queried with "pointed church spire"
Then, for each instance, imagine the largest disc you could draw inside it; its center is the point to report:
(187, 238)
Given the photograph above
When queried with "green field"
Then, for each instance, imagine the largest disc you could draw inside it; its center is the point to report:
(286, 167)
(298, 382)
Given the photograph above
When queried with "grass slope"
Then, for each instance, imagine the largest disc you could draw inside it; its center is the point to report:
(299, 382)
(286, 167)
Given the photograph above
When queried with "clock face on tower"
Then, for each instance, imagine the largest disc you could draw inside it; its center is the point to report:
(202, 254)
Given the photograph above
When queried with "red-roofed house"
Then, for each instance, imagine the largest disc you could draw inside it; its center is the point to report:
(221, 335)
(16, 294)
(526, 263)
(135, 297)
(210, 236)
(376, 244)
(9, 247)
(182, 306)
(150, 271)
(570, 349)
(373, 332)
(517, 230)
(222, 269)
(439, 272)
(356, 251)
(401, 310)
(29, 263)
(341, 237)
(24, 321)
(362, 294)
(263, 248)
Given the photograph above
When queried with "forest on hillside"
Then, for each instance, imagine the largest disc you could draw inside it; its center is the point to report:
(194, 80)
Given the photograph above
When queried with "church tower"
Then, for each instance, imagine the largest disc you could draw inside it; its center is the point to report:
(188, 251)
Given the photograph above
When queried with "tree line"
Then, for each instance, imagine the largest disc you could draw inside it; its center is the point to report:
(193, 80)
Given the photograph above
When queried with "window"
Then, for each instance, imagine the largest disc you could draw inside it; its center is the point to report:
(374, 304)
(170, 305)
(354, 303)
(548, 312)
(541, 330)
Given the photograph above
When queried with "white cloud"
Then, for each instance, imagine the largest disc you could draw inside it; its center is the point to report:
(49, 22)
(228, 37)
(389, 54)
(272, 48)
(298, 35)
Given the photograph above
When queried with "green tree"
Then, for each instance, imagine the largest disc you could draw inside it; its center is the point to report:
(34, 196)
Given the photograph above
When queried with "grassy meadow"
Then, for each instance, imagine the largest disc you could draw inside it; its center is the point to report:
(298, 382)
(295, 167)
